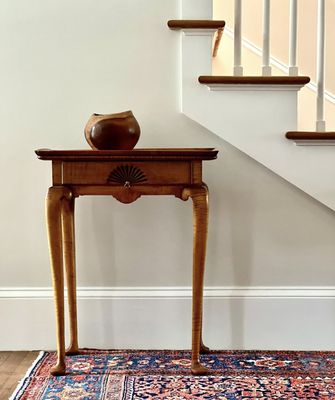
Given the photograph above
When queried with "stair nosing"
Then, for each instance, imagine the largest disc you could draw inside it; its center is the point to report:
(195, 24)
(254, 80)
(310, 135)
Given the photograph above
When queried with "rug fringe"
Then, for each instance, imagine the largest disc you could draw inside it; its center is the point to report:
(20, 385)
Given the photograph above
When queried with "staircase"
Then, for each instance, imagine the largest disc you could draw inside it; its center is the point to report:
(253, 113)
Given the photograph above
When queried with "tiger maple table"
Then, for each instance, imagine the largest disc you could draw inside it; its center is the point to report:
(126, 175)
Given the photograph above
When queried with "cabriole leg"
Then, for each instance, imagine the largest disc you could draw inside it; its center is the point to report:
(54, 225)
(70, 269)
(200, 224)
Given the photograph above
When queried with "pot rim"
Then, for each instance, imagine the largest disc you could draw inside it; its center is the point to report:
(123, 114)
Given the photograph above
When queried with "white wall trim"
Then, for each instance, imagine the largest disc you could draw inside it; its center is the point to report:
(275, 62)
(302, 142)
(224, 87)
(300, 292)
(198, 31)
(160, 317)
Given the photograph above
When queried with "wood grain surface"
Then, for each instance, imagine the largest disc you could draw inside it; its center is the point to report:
(254, 80)
(125, 175)
(195, 24)
(305, 135)
(13, 367)
(165, 154)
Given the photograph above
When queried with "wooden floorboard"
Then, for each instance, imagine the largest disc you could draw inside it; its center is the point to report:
(13, 367)
(3, 356)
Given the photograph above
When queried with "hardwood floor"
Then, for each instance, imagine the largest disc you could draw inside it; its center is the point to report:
(13, 366)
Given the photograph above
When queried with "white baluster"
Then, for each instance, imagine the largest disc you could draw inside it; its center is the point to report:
(238, 69)
(293, 68)
(266, 69)
(320, 68)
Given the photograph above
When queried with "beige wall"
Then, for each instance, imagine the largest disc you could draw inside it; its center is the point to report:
(63, 60)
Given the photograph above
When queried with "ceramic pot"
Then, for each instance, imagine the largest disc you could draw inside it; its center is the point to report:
(118, 131)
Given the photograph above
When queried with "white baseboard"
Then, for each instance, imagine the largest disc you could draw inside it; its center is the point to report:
(160, 317)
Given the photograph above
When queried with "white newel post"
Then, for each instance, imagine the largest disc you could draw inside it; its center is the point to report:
(293, 68)
(266, 69)
(320, 68)
(238, 69)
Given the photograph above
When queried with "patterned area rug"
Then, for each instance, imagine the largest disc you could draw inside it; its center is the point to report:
(131, 374)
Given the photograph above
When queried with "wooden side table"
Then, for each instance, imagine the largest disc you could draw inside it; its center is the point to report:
(126, 175)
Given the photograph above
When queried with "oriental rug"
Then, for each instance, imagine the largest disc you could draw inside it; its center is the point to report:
(134, 374)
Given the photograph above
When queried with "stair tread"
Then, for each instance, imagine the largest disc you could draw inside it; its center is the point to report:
(195, 24)
(310, 135)
(254, 80)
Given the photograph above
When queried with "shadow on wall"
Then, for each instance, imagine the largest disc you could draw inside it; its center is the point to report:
(242, 261)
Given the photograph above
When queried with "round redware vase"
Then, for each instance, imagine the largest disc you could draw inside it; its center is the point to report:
(119, 131)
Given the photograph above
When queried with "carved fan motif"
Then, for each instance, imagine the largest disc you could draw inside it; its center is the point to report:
(127, 175)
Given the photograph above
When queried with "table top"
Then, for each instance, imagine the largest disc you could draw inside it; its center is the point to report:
(159, 154)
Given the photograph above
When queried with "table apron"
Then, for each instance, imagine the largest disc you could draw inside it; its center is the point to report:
(137, 191)
(118, 173)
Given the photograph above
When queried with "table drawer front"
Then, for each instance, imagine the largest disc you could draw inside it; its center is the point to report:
(126, 173)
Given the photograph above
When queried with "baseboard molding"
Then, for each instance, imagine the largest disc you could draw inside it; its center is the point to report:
(160, 317)
(218, 292)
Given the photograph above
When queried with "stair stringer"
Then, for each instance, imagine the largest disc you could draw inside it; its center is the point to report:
(254, 119)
